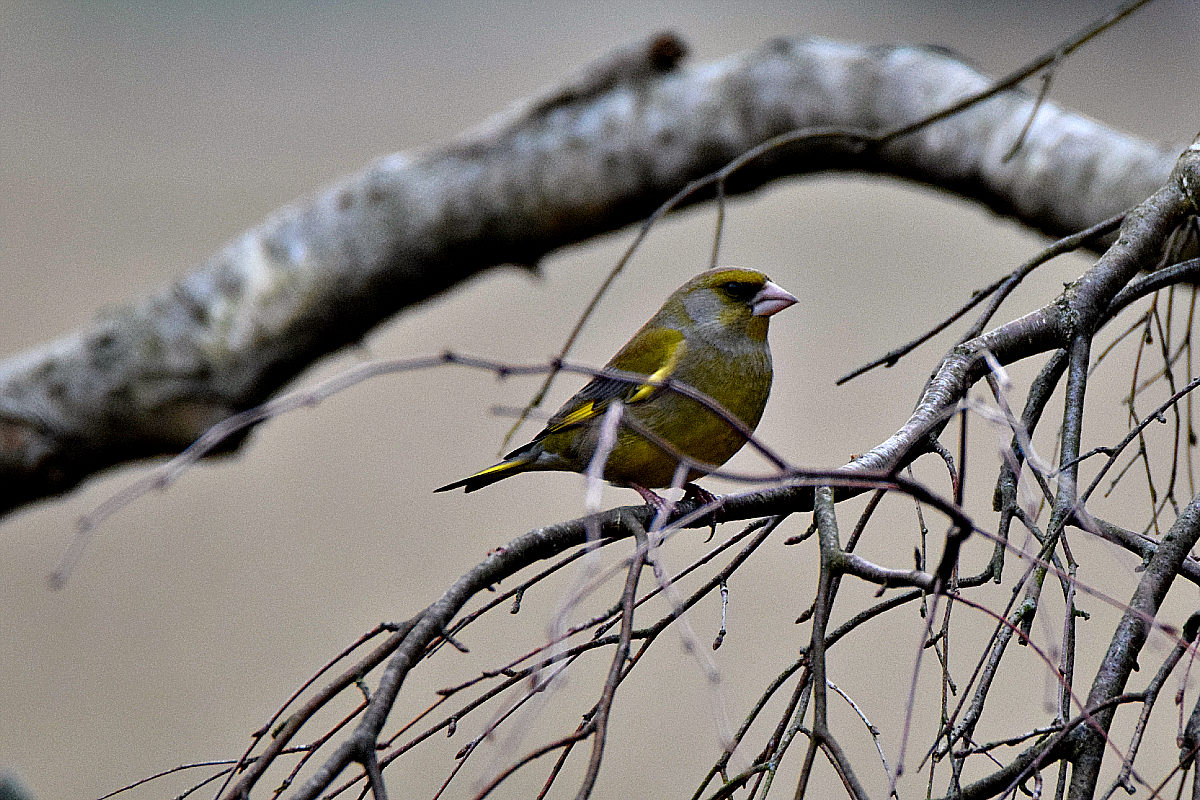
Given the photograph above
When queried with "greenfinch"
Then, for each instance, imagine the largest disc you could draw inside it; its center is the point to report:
(711, 334)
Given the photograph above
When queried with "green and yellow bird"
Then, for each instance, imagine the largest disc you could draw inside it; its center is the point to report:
(711, 334)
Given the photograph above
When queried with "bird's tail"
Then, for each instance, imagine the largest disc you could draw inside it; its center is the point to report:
(486, 477)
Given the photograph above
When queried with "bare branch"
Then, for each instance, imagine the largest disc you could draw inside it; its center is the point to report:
(593, 157)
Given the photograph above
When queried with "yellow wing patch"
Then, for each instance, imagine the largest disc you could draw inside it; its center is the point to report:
(581, 414)
(656, 353)
(660, 374)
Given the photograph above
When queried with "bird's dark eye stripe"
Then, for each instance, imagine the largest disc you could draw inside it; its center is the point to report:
(739, 288)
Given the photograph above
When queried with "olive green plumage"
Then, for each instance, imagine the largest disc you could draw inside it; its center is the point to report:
(711, 334)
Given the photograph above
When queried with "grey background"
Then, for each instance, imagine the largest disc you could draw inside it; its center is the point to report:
(135, 138)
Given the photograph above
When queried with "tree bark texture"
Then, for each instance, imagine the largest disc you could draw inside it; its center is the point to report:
(600, 152)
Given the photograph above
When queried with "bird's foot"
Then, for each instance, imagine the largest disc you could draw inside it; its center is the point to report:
(690, 492)
(659, 504)
(703, 496)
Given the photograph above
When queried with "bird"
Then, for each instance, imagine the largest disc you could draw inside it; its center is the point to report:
(710, 334)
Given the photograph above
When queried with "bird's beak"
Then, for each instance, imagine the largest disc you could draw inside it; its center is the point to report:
(771, 299)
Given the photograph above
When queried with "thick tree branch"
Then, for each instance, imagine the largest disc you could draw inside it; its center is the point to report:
(590, 157)
(1075, 315)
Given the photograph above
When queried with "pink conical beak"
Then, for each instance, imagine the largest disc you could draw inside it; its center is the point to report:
(771, 299)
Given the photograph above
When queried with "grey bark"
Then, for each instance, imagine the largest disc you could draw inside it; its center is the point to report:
(597, 154)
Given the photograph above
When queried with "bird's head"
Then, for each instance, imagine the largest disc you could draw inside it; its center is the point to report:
(731, 299)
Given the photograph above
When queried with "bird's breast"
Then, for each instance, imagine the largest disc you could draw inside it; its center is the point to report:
(739, 384)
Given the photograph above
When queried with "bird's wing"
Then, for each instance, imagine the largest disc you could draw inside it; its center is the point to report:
(654, 353)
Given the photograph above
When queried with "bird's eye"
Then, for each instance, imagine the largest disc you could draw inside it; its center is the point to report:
(739, 289)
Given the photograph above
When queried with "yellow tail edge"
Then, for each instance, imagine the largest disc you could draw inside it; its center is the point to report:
(486, 477)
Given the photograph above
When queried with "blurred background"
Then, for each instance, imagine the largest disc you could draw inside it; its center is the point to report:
(138, 137)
